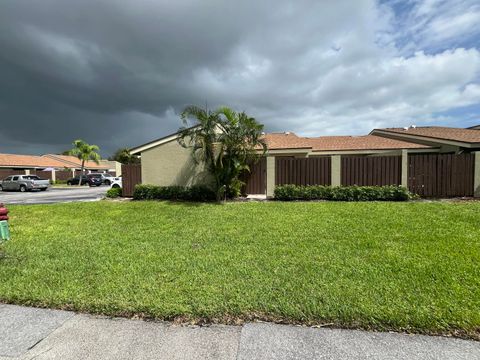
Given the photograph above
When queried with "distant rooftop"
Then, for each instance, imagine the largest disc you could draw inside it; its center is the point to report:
(470, 135)
(75, 162)
(47, 161)
(289, 140)
(15, 160)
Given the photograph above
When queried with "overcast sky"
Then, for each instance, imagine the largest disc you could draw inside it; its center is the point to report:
(116, 73)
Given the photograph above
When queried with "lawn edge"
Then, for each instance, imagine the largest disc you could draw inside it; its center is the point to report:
(239, 320)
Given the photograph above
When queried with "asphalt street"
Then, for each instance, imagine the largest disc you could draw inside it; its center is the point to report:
(30, 333)
(54, 195)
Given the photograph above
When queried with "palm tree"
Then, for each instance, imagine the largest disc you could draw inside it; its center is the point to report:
(84, 152)
(226, 141)
(202, 139)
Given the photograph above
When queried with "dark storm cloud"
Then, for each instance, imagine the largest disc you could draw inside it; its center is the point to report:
(84, 69)
(116, 73)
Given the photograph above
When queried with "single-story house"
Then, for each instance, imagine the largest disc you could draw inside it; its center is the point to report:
(165, 162)
(91, 166)
(51, 166)
(28, 162)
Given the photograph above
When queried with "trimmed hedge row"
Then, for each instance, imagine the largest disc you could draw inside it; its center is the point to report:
(192, 193)
(341, 193)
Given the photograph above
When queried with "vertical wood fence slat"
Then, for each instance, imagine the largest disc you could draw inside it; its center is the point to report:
(303, 171)
(63, 175)
(441, 175)
(47, 175)
(256, 179)
(131, 176)
(371, 171)
(6, 172)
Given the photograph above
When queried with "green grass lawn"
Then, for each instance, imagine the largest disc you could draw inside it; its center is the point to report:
(399, 266)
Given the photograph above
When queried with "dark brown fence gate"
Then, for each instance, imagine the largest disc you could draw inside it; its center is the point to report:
(441, 175)
(256, 179)
(131, 176)
(371, 171)
(303, 171)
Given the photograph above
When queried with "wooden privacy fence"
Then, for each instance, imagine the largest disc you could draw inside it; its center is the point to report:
(371, 171)
(303, 171)
(131, 176)
(42, 174)
(441, 175)
(255, 180)
(63, 175)
(4, 173)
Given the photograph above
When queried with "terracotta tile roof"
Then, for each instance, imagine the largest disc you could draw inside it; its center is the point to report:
(13, 160)
(287, 140)
(278, 141)
(440, 132)
(72, 161)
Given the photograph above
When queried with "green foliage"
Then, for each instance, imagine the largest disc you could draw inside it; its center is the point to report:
(114, 192)
(404, 266)
(123, 156)
(226, 141)
(60, 182)
(85, 152)
(341, 193)
(193, 193)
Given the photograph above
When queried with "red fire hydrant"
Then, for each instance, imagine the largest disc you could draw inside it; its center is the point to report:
(3, 212)
(4, 231)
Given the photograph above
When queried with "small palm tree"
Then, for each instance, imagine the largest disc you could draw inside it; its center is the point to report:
(84, 152)
(226, 141)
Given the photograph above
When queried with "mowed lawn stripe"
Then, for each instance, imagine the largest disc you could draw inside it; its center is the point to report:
(400, 266)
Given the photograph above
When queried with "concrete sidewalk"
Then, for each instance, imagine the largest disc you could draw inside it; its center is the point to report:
(29, 333)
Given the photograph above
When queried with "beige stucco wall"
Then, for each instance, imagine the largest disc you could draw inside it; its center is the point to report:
(171, 164)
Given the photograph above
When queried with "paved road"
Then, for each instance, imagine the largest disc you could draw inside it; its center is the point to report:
(54, 195)
(29, 333)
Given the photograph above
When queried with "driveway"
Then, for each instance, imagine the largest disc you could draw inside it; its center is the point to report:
(54, 195)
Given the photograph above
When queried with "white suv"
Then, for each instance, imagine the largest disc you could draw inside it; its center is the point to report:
(116, 182)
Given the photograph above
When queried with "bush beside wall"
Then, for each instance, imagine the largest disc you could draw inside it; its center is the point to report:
(341, 193)
(193, 193)
(114, 192)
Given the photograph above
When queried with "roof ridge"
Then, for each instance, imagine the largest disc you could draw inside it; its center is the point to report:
(20, 154)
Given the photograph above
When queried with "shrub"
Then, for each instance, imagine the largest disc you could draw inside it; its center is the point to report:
(341, 193)
(192, 193)
(114, 192)
(58, 182)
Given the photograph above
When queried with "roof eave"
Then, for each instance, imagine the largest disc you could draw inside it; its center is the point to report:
(426, 138)
(151, 144)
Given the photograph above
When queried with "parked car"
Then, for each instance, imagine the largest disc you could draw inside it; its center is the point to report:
(116, 182)
(106, 178)
(85, 180)
(94, 181)
(24, 183)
